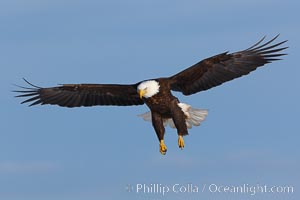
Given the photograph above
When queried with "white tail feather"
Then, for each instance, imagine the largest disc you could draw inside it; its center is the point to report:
(194, 116)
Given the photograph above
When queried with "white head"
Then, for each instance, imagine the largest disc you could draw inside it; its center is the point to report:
(148, 88)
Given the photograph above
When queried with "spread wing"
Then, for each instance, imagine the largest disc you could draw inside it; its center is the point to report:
(224, 67)
(76, 95)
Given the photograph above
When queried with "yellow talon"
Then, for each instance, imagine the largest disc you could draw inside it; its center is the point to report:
(180, 142)
(162, 147)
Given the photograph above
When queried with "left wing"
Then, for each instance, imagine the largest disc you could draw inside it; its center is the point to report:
(224, 67)
(76, 95)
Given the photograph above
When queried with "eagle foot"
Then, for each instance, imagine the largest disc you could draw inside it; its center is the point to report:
(180, 142)
(162, 147)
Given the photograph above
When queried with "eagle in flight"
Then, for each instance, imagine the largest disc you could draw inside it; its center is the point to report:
(165, 109)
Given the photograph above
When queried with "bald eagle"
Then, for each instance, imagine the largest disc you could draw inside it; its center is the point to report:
(165, 109)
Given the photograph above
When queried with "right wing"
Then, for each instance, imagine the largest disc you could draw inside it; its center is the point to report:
(76, 95)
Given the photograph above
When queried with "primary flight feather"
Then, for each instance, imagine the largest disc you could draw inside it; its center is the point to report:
(165, 109)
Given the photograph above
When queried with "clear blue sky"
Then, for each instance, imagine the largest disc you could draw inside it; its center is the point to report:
(251, 135)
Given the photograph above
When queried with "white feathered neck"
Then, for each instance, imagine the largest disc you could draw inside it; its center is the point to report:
(151, 88)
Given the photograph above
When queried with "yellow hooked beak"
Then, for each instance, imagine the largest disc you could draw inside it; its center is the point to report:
(142, 93)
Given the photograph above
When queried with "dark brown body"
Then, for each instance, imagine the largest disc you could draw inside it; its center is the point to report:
(165, 105)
